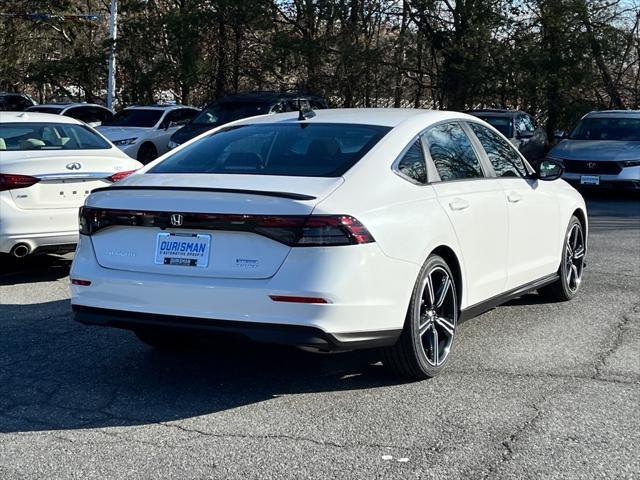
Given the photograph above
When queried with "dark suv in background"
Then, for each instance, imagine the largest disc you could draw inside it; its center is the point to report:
(243, 105)
(520, 128)
(15, 102)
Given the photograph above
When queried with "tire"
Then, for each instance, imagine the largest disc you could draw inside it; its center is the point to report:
(147, 153)
(431, 320)
(166, 339)
(572, 265)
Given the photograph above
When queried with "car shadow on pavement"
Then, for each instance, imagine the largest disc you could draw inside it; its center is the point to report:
(57, 374)
(37, 268)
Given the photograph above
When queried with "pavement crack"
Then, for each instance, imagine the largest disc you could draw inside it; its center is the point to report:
(279, 436)
(616, 342)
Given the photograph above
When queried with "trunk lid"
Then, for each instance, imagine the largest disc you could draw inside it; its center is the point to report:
(229, 253)
(65, 180)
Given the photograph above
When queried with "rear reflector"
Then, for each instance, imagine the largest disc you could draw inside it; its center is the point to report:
(292, 230)
(120, 175)
(292, 299)
(12, 182)
(82, 283)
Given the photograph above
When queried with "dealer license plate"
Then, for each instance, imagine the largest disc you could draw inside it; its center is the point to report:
(183, 249)
(590, 180)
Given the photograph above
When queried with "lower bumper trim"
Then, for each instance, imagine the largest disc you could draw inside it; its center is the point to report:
(295, 335)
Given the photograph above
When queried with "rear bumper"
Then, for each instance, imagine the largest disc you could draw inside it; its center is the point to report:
(41, 229)
(52, 242)
(282, 334)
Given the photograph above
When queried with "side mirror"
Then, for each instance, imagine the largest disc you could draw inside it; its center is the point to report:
(525, 134)
(549, 170)
(560, 135)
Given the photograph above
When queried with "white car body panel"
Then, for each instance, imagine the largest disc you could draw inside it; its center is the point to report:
(46, 213)
(499, 245)
(157, 135)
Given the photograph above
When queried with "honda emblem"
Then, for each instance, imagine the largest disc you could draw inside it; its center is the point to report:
(176, 220)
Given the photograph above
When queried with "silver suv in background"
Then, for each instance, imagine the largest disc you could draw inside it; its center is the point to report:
(602, 150)
(520, 128)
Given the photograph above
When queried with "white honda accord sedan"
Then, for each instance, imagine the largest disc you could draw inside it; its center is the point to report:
(48, 165)
(335, 231)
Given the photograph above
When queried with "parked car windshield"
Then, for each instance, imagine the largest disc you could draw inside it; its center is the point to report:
(221, 113)
(503, 124)
(293, 149)
(49, 136)
(607, 129)
(52, 110)
(135, 117)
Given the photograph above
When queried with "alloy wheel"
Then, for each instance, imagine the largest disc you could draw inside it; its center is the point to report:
(437, 315)
(574, 257)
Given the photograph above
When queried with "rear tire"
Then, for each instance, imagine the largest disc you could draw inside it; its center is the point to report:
(166, 340)
(147, 153)
(571, 268)
(427, 337)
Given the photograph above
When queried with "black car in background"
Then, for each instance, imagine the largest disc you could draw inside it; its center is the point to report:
(521, 130)
(15, 102)
(243, 105)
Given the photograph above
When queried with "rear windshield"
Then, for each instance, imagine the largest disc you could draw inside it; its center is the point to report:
(225, 112)
(49, 136)
(294, 149)
(52, 110)
(607, 129)
(135, 117)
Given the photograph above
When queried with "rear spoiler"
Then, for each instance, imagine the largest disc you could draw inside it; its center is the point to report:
(293, 196)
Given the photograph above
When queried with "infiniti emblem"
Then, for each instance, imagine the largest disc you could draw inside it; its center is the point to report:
(176, 220)
(591, 165)
(73, 166)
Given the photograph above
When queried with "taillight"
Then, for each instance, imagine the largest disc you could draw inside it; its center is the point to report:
(11, 182)
(120, 175)
(292, 230)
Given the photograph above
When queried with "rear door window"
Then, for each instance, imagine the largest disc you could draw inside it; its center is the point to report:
(292, 149)
(452, 152)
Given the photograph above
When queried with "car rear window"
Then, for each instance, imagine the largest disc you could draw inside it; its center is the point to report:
(49, 136)
(292, 149)
(51, 110)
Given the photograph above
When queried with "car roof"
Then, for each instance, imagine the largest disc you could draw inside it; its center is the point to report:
(65, 105)
(495, 112)
(613, 113)
(267, 96)
(162, 108)
(387, 117)
(35, 117)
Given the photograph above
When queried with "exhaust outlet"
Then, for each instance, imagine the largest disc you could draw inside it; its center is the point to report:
(20, 250)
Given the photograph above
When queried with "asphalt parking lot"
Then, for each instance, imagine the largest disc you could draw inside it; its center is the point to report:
(534, 390)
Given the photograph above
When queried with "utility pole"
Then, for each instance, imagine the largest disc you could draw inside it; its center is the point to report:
(113, 34)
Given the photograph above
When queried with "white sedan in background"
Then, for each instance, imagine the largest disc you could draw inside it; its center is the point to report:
(143, 133)
(48, 165)
(341, 230)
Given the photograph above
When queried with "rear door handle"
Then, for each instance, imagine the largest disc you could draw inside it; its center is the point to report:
(458, 204)
(514, 197)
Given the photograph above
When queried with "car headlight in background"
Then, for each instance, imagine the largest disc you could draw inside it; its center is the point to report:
(125, 141)
(631, 163)
(172, 144)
